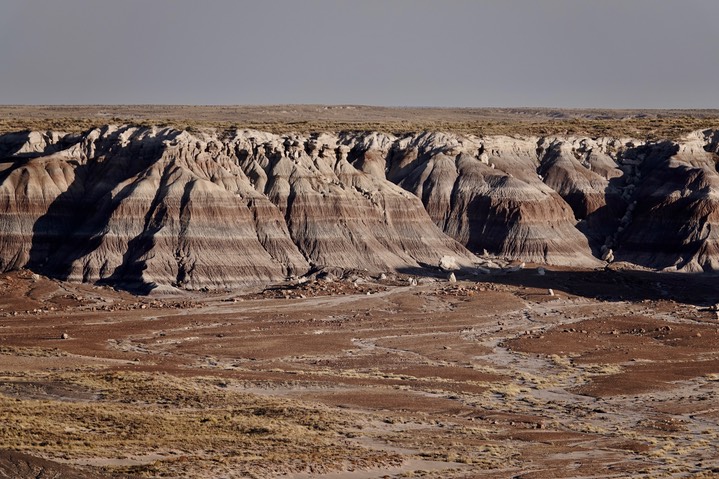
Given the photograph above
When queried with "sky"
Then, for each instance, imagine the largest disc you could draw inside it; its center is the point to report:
(453, 53)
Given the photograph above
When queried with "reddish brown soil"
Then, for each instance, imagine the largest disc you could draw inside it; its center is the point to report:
(16, 465)
(616, 375)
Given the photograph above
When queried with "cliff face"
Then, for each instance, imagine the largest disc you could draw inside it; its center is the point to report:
(145, 207)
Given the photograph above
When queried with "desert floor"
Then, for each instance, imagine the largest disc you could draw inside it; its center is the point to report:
(615, 374)
(640, 124)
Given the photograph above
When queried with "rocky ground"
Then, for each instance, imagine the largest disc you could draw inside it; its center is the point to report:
(565, 374)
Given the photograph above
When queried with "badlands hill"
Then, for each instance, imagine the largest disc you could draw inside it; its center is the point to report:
(139, 207)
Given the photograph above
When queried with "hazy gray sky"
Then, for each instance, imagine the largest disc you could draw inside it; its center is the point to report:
(563, 53)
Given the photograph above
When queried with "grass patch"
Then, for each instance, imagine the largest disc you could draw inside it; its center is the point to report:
(216, 428)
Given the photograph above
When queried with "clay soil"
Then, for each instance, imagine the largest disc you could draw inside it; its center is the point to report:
(614, 375)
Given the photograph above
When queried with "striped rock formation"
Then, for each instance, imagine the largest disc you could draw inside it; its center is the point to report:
(565, 201)
(147, 207)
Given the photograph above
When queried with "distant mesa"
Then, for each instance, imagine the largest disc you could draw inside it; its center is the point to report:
(140, 208)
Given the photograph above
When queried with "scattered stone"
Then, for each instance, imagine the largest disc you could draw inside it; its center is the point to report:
(64, 336)
(541, 271)
(550, 291)
(452, 278)
(515, 268)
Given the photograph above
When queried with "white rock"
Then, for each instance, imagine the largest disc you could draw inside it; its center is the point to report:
(448, 263)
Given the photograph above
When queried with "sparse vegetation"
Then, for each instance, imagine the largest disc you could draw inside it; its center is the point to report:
(415, 394)
(141, 415)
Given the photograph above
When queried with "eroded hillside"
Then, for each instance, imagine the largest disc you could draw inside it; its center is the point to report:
(147, 207)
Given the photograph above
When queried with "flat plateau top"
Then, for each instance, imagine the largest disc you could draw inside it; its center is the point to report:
(304, 118)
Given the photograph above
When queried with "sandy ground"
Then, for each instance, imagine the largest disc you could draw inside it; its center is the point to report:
(614, 375)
